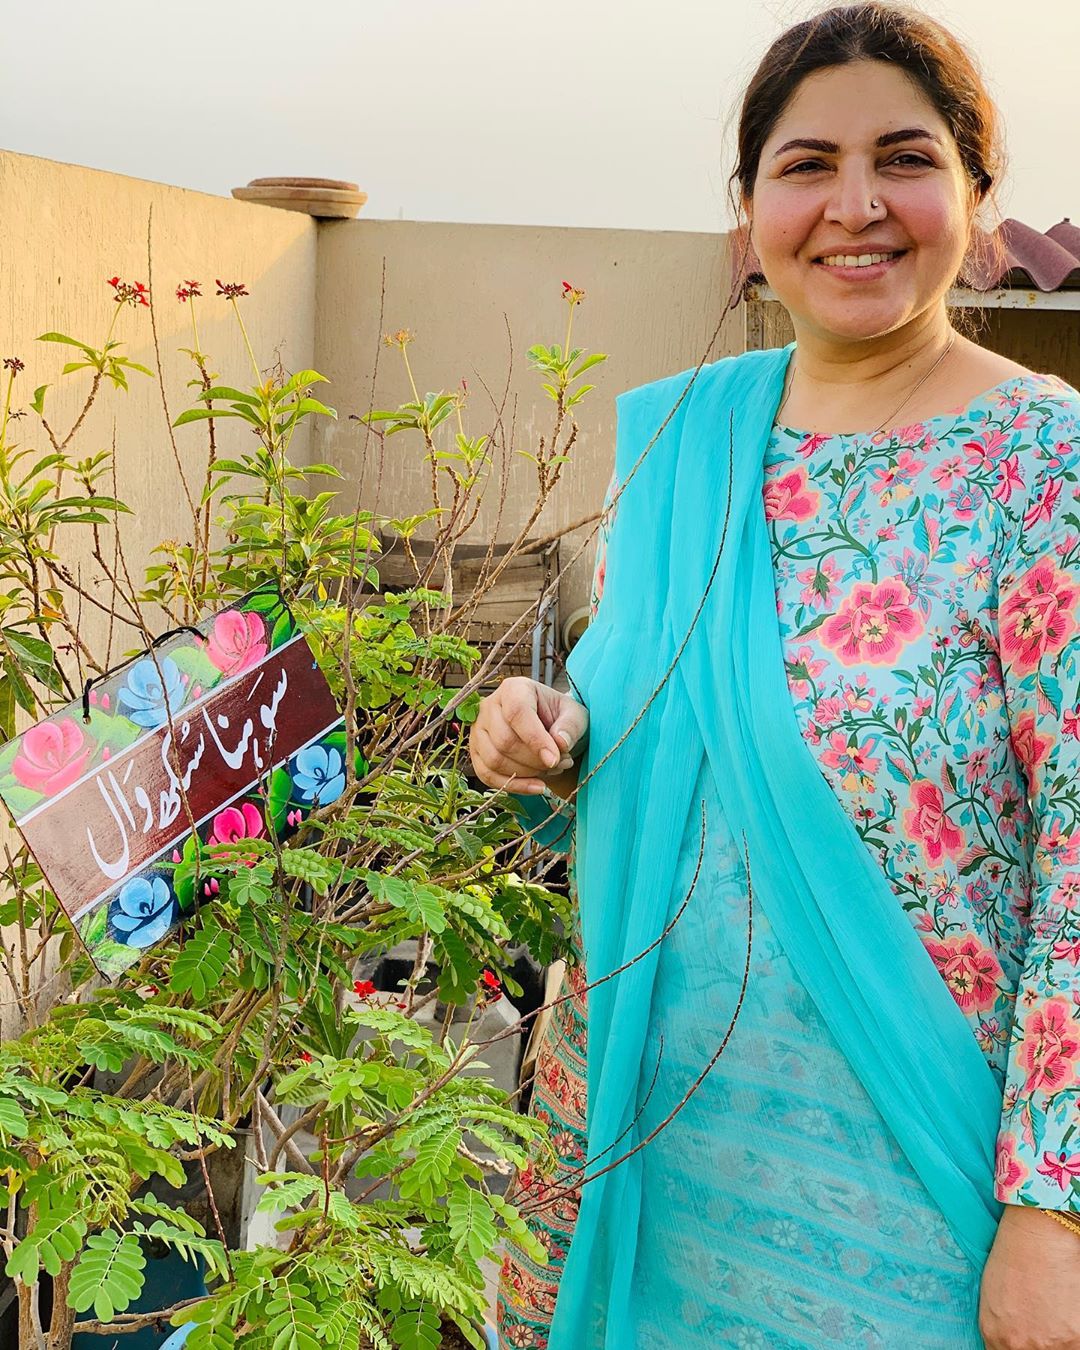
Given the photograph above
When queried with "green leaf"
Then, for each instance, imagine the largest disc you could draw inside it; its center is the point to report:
(38, 402)
(419, 901)
(71, 342)
(418, 1329)
(472, 1225)
(109, 1276)
(54, 1239)
(200, 966)
(310, 866)
(589, 361)
(232, 395)
(201, 415)
(12, 1119)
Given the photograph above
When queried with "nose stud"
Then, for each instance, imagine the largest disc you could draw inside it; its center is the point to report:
(874, 204)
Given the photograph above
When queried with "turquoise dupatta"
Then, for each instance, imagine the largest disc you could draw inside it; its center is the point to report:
(822, 891)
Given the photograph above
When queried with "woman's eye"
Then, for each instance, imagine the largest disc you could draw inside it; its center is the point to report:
(803, 164)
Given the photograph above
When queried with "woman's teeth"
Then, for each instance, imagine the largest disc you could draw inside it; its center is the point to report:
(859, 260)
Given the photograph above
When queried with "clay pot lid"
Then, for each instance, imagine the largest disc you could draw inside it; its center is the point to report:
(338, 183)
(327, 198)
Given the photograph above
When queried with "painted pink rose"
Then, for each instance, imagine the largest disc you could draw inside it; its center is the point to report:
(970, 970)
(873, 623)
(1037, 616)
(238, 641)
(237, 822)
(1009, 1172)
(1029, 747)
(927, 822)
(1051, 1046)
(791, 497)
(52, 756)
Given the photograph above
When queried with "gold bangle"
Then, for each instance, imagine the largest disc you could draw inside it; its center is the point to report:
(1070, 1221)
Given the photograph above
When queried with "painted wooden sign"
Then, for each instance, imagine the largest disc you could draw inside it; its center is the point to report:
(215, 735)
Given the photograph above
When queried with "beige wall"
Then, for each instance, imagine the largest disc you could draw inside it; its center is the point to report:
(63, 231)
(468, 291)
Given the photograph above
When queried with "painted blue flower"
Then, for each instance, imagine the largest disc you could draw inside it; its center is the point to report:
(144, 700)
(318, 774)
(143, 911)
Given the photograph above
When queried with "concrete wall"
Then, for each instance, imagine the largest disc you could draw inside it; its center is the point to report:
(63, 231)
(470, 292)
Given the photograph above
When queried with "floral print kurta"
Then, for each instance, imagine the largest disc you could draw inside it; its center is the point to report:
(928, 591)
(928, 587)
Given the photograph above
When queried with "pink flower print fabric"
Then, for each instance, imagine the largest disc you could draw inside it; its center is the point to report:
(928, 590)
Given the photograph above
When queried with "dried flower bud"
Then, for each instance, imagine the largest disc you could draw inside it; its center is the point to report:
(13, 364)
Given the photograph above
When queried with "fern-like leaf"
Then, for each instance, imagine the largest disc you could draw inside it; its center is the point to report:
(201, 965)
(109, 1275)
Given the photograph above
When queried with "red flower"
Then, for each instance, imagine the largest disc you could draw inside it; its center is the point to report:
(492, 990)
(188, 291)
(231, 290)
(305, 1056)
(363, 988)
(130, 292)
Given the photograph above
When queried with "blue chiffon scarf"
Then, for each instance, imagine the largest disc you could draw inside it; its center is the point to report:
(690, 531)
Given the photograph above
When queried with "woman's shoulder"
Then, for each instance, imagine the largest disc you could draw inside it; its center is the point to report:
(1039, 402)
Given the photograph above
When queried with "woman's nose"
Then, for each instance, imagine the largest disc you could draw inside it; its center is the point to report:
(851, 192)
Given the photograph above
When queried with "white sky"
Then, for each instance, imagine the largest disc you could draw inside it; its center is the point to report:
(595, 113)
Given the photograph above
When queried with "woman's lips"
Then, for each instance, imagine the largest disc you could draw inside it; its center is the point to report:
(869, 273)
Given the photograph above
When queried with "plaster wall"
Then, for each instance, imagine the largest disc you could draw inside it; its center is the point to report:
(63, 231)
(477, 297)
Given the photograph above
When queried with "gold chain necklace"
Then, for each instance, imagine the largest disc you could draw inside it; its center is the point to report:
(907, 398)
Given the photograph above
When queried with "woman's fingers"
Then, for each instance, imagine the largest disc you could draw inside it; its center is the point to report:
(494, 765)
(519, 709)
(509, 741)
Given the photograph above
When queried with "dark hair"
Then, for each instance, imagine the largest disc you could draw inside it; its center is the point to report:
(876, 31)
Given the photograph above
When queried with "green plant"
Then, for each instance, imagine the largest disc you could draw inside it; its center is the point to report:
(253, 1005)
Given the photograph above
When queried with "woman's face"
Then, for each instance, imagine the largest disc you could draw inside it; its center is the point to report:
(812, 201)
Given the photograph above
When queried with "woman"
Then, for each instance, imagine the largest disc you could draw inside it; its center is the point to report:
(829, 821)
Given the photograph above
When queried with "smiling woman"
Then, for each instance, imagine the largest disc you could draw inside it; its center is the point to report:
(833, 1107)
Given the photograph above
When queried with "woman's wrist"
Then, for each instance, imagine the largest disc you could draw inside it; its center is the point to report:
(1066, 1218)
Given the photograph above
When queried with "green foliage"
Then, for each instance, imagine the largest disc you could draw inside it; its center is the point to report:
(251, 1005)
(201, 964)
(109, 1274)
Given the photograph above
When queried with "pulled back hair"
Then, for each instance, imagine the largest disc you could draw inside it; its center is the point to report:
(910, 41)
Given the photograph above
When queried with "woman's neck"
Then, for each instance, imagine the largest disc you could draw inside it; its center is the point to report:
(834, 386)
(825, 363)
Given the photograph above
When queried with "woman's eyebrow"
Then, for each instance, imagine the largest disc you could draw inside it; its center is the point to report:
(888, 138)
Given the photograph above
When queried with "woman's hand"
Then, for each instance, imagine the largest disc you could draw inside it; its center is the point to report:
(523, 732)
(1030, 1293)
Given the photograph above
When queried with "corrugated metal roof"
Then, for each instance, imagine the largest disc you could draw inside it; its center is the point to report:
(1047, 261)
